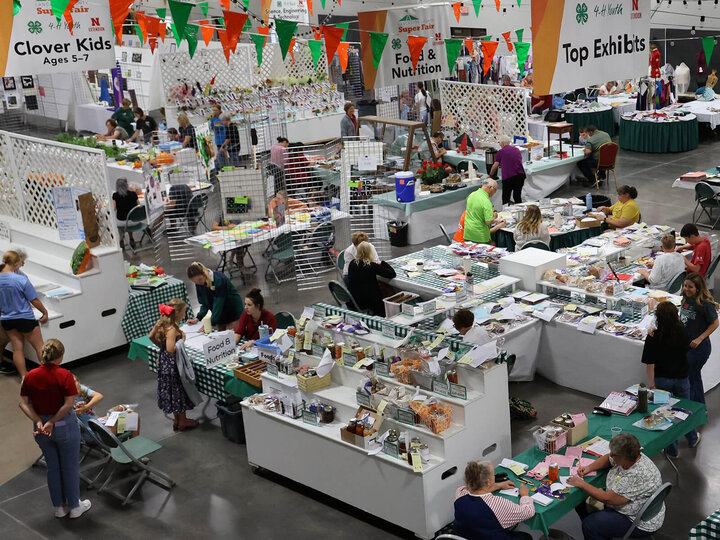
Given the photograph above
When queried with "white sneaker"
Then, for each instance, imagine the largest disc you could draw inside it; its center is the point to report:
(83, 507)
(61, 511)
(697, 441)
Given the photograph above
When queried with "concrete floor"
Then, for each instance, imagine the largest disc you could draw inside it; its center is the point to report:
(217, 494)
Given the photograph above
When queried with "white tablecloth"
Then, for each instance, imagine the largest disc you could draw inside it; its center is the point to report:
(621, 104)
(91, 117)
(691, 185)
(537, 128)
(701, 109)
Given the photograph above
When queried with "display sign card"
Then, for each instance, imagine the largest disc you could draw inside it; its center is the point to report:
(5, 231)
(367, 163)
(461, 296)
(272, 369)
(363, 400)
(458, 391)
(219, 348)
(441, 387)
(317, 350)
(391, 449)
(382, 368)
(406, 416)
(309, 417)
(388, 330)
(416, 462)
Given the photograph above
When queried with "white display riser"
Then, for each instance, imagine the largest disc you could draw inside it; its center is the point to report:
(381, 485)
(77, 320)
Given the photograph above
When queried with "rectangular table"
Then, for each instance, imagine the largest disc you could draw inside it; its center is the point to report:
(707, 529)
(142, 313)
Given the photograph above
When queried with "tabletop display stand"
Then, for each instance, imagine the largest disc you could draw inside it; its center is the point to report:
(411, 127)
(381, 484)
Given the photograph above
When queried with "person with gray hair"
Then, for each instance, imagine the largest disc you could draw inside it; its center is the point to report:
(124, 200)
(630, 482)
(509, 159)
(229, 151)
(480, 216)
(481, 514)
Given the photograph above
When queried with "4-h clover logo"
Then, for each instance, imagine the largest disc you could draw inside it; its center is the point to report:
(396, 44)
(581, 13)
(34, 27)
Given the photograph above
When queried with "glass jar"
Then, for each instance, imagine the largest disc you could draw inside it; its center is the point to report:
(393, 436)
(452, 376)
(291, 331)
(327, 413)
(424, 451)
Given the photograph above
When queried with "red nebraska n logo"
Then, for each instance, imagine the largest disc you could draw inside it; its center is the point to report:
(635, 5)
(96, 22)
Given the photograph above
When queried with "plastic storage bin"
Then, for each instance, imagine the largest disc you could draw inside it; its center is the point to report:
(231, 420)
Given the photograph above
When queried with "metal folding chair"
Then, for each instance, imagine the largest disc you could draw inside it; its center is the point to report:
(707, 201)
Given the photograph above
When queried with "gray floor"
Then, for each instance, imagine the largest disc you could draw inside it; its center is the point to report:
(217, 495)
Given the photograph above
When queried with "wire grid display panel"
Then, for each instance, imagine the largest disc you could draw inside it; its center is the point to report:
(486, 112)
(386, 93)
(388, 110)
(242, 196)
(362, 186)
(319, 191)
(274, 67)
(38, 165)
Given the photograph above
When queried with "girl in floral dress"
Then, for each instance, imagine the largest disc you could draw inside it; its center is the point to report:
(172, 397)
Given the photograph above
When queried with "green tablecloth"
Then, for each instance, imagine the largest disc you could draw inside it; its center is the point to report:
(423, 203)
(216, 382)
(652, 442)
(506, 239)
(708, 528)
(603, 120)
(142, 312)
(658, 137)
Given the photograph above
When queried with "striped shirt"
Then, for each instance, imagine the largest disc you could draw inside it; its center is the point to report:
(507, 512)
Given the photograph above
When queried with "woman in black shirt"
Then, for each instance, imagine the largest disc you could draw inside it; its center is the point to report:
(362, 275)
(665, 358)
(124, 200)
(231, 146)
(187, 132)
(144, 124)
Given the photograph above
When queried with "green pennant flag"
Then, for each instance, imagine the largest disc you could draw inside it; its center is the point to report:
(452, 50)
(191, 31)
(180, 13)
(161, 12)
(485, 38)
(58, 8)
(16, 7)
(476, 5)
(247, 3)
(315, 50)
(519, 34)
(285, 31)
(221, 20)
(259, 41)
(708, 44)
(518, 1)
(203, 7)
(247, 27)
(173, 29)
(521, 49)
(323, 3)
(344, 25)
(378, 40)
(139, 33)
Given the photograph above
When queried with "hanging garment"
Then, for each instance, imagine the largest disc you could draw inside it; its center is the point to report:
(681, 78)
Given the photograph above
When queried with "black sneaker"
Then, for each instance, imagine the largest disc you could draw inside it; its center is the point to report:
(7, 368)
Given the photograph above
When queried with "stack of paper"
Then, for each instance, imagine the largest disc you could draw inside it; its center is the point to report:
(619, 403)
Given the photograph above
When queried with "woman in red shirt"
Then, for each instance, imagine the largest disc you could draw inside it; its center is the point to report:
(47, 398)
(254, 315)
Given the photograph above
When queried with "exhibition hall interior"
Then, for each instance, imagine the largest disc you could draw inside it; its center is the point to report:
(355, 268)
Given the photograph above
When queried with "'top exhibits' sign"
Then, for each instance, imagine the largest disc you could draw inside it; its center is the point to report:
(33, 42)
(580, 43)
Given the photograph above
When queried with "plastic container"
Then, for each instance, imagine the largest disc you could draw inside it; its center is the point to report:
(405, 187)
(398, 233)
(231, 421)
(588, 202)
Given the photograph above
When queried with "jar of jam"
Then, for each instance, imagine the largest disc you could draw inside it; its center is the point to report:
(553, 472)
(452, 376)
(424, 451)
(402, 447)
(360, 428)
(339, 350)
(351, 425)
(291, 331)
(327, 413)
(393, 436)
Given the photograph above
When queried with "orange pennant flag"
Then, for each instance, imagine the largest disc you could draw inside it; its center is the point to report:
(265, 6)
(506, 35)
(265, 31)
(292, 51)
(153, 29)
(225, 42)
(161, 31)
(497, 5)
(317, 32)
(342, 51)
(333, 36)
(68, 15)
(310, 6)
(225, 4)
(142, 23)
(457, 7)
(207, 31)
(488, 50)
(416, 44)
(470, 45)
(234, 23)
(119, 10)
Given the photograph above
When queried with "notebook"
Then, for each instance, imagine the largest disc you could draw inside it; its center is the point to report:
(541, 499)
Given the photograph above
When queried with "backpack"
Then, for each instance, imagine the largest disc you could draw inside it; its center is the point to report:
(521, 409)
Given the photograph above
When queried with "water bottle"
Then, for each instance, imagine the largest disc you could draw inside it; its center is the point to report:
(264, 331)
(642, 399)
(588, 202)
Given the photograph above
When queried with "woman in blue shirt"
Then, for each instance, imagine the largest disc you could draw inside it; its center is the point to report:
(17, 298)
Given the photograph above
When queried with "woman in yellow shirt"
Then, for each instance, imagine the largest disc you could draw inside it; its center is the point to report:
(625, 211)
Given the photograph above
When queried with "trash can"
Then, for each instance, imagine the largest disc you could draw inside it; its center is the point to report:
(398, 232)
(599, 200)
(231, 420)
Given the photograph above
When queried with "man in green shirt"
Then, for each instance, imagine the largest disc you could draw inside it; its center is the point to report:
(124, 116)
(480, 215)
(594, 139)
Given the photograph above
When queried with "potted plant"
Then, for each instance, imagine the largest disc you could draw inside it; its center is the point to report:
(431, 172)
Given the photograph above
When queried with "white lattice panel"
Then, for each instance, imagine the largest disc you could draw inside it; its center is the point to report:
(484, 111)
(273, 66)
(31, 167)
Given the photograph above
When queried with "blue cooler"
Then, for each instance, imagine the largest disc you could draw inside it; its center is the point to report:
(405, 186)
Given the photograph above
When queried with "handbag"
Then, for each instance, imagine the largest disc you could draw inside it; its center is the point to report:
(555, 115)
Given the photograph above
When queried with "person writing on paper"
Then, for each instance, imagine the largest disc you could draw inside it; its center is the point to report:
(702, 254)
(216, 294)
(630, 482)
(362, 274)
(464, 321)
(480, 216)
(531, 228)
(252, 318)
(436, 142)
(625, 211)
(527, 81)
(665, 359)
(113, 132)
(145, 125)
(350, 252)
(595, 138)
(480, 514)
(609, 88)
(282, 204)
(665, 267)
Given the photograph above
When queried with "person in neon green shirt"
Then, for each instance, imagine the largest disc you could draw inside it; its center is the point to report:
(480, 216)
(625, 211)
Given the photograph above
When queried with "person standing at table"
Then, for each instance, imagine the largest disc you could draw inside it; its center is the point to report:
(595, 139)
(252, 318)
(630, 482)
(230, 148)
(666, 266)
(278, 152)
(124, 116)
(480, 216)
(531, 228)
(124, 199)
(422, 101)
(348, 124)
(665, 358)
(145, 125)
(362, 275)
(187, 132)
(698, 312)
(217, 294)
(509, 159)
(702, 251)
(47, 398)
(217, 126)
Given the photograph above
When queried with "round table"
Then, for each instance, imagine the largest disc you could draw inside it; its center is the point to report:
(679, 136)
(601, 118)
(505, 239)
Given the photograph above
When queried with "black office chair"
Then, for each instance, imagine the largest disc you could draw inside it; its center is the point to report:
(537, 244)
(284, 320)
(196, 211)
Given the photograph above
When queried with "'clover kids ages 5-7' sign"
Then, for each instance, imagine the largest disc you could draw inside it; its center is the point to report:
(395, 65)
(579, 43)
(34, 42)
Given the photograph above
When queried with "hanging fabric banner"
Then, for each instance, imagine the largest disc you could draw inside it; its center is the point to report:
(506, 37)
(476, 5)
(153, 30)
(259, 41)
(332, 40)
(317, 32)
(119, 10)
(497, 5)
(207, 31)
(161, 12)
(285, 31)
(521, 49)
(264, 31)
(315, 50)
(287, 10)
(203, 7)
(175, 34)
(378, 40)
(518, 1)
(67, 15)
(180, 13)
(310, 6)
(519, 34)
(162, 29)
(226, 4)
(469, 45)
(291, 50)
(342, 51)
(452, 51)
(139, 33)
(486, 38)
(234, 23)
(191, 31)
(225, 42)
(265, 6)
(322, 2)
(415, 45)
(142, 23)
(457, 9)
(708, 44)
(488, 50)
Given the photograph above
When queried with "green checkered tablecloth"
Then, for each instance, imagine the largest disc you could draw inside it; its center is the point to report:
(216, 382)
(142, 312)
(707, 529)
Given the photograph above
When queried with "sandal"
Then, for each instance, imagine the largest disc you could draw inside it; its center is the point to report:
(188, 424)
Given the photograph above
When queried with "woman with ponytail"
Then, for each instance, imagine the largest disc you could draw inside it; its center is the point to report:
(47, 398)
(252, 318)
(216, 294)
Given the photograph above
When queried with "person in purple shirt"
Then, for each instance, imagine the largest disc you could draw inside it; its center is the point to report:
(509, 159)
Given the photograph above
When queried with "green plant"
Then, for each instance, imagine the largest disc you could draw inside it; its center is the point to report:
(431, 172)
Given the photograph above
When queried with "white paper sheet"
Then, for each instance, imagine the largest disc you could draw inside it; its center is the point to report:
(326, 364)
(546, 314)
(131, 421)
(513, 492)
(112, 419)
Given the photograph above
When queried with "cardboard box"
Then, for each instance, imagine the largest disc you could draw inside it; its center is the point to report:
(575, 434)
(361, 441)
(588, 223)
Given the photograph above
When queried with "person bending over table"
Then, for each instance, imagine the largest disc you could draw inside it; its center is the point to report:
(282, 204)
(350, 252)
(513, 172)
(464, 321)
(630, 482)
(594, 139)
(625, 211)
(217, 294)
(665, 267)
(144, 124)
(480, 515)
(609, 88)
(114, 132)
(124, 116)
(665, 358)
(698, 312)
(531, 228)
(252, 318)
(362, 274)
(702, 253)
(540, 103)
(481, 219)
(436, 142)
